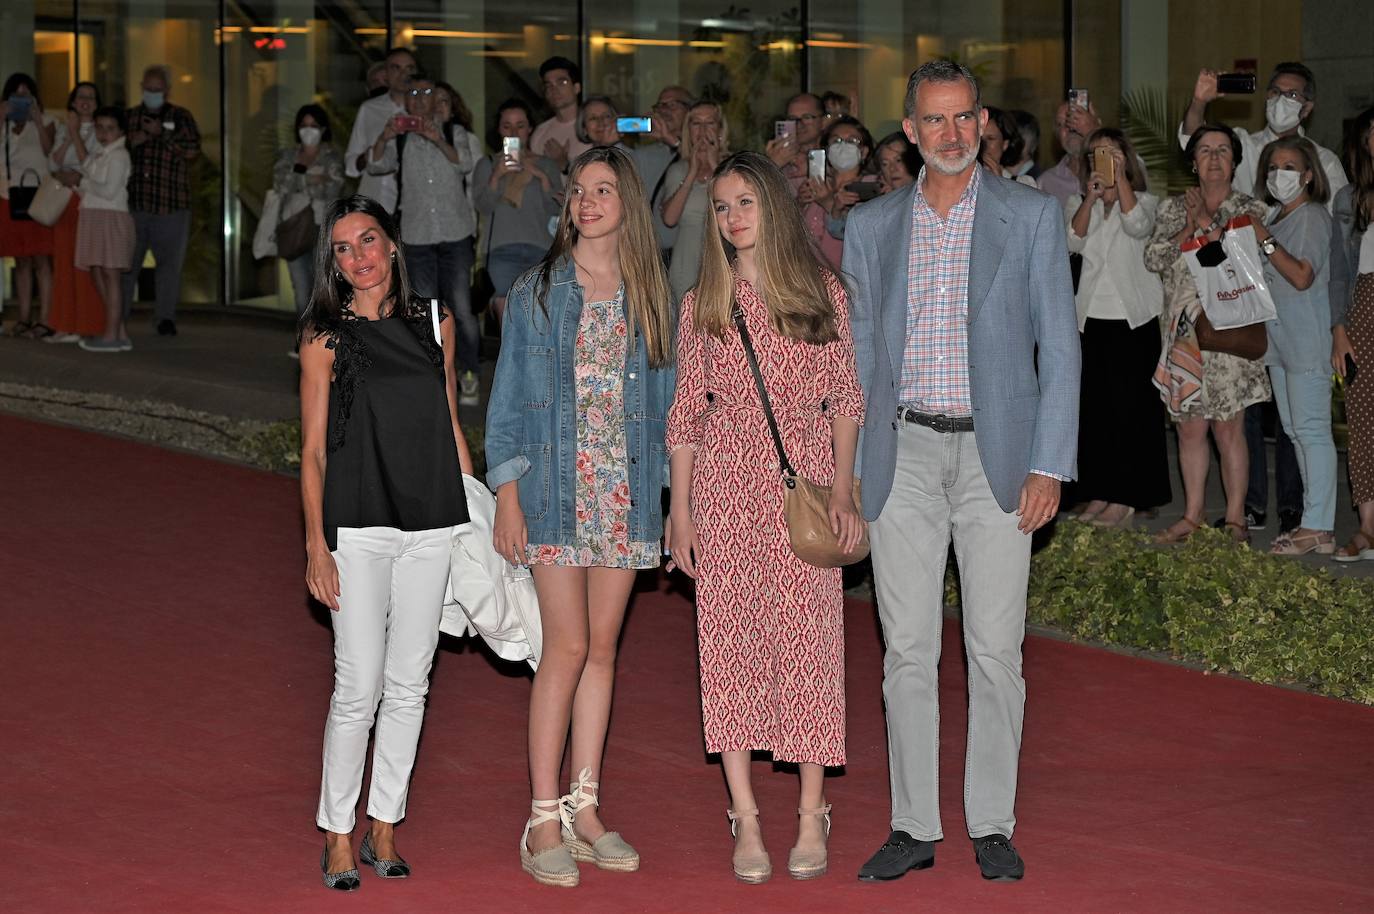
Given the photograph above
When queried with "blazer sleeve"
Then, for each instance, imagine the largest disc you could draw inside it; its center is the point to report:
(1054, 319)
(862, 307)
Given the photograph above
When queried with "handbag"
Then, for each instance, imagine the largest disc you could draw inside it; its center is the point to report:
(805, 504)
(21, 194)
(1249, 342)
(1235, 300)
(50, 202)
(297, 233)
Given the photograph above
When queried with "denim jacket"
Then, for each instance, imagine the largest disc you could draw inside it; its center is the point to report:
(532, 417)
(1345, 253)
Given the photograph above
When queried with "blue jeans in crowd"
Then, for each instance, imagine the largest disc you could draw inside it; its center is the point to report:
(1304, 402)
(1287, 476)
(444, 271)
(302, 271)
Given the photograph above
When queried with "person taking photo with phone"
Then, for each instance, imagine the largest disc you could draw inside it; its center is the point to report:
(517, 191)
(1290, 99)
(438, 224)
(849, 178)
(1123, 463)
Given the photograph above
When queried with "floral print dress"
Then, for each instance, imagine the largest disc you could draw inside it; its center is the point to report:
(602, 537)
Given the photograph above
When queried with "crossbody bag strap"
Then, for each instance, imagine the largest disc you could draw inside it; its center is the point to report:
(763, 391)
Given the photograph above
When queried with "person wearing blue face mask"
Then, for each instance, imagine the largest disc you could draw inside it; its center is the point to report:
(163, 141)
(28, 142)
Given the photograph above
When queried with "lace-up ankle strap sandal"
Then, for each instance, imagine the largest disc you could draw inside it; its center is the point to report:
(810, 864)
(751, 868)
(553, 865)
(387, 869)
(610, 851)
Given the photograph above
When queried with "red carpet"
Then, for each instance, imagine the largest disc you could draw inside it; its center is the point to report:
(165, 685)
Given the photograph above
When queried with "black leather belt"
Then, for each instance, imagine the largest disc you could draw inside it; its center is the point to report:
(934, 422)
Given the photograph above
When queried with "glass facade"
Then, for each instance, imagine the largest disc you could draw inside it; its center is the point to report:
(243, 68)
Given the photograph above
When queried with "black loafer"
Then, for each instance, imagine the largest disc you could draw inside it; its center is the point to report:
(998, 859)
(899, 853)
(166, 327)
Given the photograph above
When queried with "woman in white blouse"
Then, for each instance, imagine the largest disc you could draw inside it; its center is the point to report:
(1122, 463)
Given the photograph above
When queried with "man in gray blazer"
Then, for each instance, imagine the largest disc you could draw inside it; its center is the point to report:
(966, 340)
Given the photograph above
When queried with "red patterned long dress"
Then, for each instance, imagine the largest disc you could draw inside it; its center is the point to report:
(770, 628)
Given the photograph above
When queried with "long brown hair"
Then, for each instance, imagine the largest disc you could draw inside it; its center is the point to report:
(332, 293)
(1360, 166)
(791, 276)
(648, 300)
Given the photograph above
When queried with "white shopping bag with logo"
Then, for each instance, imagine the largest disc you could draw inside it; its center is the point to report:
(1230, 277)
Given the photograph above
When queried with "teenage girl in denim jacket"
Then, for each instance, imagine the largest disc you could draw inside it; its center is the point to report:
(575, 452)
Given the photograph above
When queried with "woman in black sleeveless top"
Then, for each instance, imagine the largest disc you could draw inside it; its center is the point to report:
(381, 458)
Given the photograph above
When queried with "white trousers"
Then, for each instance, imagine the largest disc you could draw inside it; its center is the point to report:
(386, 629)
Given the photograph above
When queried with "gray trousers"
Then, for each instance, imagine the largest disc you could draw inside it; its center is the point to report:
(940, 491)
(166, 235)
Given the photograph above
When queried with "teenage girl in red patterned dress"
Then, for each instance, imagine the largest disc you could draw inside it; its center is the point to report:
(770, 627)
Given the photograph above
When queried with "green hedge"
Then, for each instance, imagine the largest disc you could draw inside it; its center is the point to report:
(1237, 610)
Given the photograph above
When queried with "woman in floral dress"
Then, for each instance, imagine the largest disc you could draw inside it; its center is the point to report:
(1204, 390)
(575, 449)
(770, 627)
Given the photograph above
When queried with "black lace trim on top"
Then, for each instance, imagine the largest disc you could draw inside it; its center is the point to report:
(351, 358)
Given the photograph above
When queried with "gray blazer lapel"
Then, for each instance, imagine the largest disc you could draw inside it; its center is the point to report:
(894, 253)
(991, 221)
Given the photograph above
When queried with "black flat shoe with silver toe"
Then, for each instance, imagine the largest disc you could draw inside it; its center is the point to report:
(387, 869)
(346, 881)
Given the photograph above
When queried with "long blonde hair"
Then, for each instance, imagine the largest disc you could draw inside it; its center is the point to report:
(685, 150)
(791, 276)
(648, 300)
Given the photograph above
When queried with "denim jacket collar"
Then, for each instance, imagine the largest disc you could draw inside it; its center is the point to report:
(564, 271)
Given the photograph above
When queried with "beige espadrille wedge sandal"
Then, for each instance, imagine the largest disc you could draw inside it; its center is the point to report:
(750, 868)
(610, 851)
(810, 864)
(553, 865)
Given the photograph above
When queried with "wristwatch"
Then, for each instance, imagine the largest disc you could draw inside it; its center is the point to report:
(1268, 246)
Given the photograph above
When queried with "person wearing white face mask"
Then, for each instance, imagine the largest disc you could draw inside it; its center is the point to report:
(313, 168)
(848, 150)
(1295, 241)
(1291, 97)
(163, 141)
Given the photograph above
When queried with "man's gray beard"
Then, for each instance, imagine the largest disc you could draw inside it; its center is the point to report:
(942, 166)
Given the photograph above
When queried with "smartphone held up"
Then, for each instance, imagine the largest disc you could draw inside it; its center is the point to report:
(1105, 166)
(1236, 83)
(634, 124)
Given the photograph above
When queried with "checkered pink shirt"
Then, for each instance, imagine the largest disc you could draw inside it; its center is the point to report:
(935, 363)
